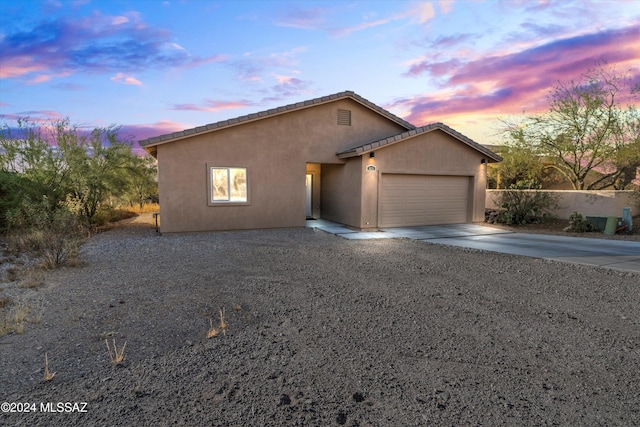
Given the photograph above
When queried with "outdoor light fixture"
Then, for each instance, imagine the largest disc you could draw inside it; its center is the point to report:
(372, 155)
(483, 161)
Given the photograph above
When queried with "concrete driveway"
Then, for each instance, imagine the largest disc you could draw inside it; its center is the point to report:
(616, 254)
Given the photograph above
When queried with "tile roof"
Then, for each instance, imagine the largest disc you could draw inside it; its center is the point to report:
(366, 148)
(150, 142)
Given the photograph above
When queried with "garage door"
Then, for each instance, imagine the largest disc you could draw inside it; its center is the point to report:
(423, 200)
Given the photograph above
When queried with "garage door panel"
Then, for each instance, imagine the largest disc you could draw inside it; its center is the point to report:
(423, 200)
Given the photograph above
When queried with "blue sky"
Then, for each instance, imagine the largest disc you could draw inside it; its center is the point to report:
(155, 67)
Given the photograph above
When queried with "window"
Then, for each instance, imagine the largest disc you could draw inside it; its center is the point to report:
(228, 185)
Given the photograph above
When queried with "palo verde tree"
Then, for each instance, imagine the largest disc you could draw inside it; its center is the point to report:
(98, 165)
(61, 163)
(31, 167)
(53, 180)
(520, 163)
(591, 132)
(142, 180)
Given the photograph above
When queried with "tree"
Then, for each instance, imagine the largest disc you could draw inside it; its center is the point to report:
(60, 163)
(142, 180)
(520, 163)
(591, 132)
(32, 167)
(98, 165)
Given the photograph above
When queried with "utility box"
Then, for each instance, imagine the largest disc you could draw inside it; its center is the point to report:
(598, 221)
(626, 218)
(612, 223)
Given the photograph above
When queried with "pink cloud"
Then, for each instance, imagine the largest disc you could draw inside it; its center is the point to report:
(446, 6)
(143, 131)
(288, 87)
(117, 20)
(38, 116)
(18, 66)
(319, 19)
(39, 79)
(251, 67)
(423, 11)
(128, 80)
(212, 106)
(308, 19)
(340, 32)
(509, 83)
(285, 79)
(426, 12)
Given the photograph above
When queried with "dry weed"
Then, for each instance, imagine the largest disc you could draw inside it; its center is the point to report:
(212, 332)
(237, 307)
(73, 261)
(5, 325)
(37, 311)
(105, 335)
(4, 301)
(148, 207)
(14, 317)
(223, 324)
(18, 314)
(117, 356)
(34, 278)
(48, 376)
(13, 273)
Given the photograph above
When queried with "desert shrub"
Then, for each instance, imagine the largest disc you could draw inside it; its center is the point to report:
(146, 207)
(106, 214)
(51, 233)
(524, 203)
(11, 194)
(580, 224)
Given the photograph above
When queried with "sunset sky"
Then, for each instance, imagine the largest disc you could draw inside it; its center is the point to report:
(155, 67)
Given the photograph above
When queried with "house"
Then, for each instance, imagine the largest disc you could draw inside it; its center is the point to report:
(338, 157)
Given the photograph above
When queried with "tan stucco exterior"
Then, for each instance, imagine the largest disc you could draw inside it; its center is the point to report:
(278, 149)
(585, 202)
(434, 153)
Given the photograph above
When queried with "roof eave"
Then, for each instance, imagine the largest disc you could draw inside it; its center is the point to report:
(225, 124)
(369, 147)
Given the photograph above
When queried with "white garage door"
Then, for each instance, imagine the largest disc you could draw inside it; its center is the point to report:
(423, 200)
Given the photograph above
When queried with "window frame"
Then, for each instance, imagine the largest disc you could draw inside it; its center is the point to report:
(228, 202)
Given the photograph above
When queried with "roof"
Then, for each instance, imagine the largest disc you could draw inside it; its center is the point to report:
(147, 144)
(371, 146)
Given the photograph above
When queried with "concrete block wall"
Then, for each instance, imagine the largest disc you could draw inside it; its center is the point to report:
(591, 203)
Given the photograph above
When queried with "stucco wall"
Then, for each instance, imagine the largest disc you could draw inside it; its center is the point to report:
(591, 203)
(433, 153)
(275, 150)
(341, 192)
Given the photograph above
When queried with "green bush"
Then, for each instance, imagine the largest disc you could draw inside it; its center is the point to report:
(579, 224)
(53, 234)
(11, 195)
(523, 203)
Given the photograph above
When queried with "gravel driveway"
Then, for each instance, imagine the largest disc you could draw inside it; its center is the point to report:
(322, 331)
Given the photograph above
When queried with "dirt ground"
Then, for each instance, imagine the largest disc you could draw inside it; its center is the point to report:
(321, 331)
(557, 226)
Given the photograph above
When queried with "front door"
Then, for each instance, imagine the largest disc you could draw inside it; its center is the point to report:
(309, 186)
